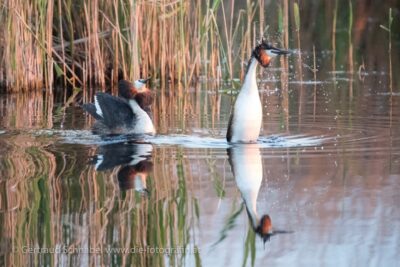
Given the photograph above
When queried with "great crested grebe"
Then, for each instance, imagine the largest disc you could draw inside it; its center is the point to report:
(127, 114)
(245, 121)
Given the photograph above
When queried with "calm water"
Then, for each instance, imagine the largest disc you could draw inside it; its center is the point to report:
(327, 172)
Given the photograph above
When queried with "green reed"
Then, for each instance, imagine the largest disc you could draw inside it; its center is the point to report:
(389, 30)
(250, 247)
(296, 14)
(350, 42)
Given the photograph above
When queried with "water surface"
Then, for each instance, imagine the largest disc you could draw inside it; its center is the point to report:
(326, 171)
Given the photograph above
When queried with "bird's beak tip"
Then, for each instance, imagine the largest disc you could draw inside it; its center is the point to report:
(285, 52)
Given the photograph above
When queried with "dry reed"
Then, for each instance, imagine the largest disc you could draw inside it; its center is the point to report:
(94, 43)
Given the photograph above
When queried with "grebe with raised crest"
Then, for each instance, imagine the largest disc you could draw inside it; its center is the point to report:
(245, 120)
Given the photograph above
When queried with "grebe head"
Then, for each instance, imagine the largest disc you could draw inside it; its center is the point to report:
(264, 53)
(140, 84)
(128, 90)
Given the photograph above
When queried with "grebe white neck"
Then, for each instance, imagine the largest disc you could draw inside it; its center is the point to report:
(143, 122)
(250, 81)
(247, 114)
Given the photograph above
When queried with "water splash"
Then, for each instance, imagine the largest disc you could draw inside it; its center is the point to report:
(84, 137)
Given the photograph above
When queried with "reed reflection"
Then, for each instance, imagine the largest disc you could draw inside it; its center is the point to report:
(246, 166)
(134, 160)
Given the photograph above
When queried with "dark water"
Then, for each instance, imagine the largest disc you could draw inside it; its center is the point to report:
(326, 170)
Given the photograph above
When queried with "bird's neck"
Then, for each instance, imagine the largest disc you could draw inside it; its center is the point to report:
(250, 82)
(250, 200)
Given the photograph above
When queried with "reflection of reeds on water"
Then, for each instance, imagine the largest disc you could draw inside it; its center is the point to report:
(389, 30)
(26, 111)
(25, 201)
(314, 70)
(52, 200)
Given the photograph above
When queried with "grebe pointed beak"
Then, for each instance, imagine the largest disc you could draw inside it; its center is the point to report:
(144, 81)
(273, 51)
(141, 83)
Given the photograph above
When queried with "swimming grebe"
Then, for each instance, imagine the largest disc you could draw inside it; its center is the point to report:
(245, 121)
(127, 114)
